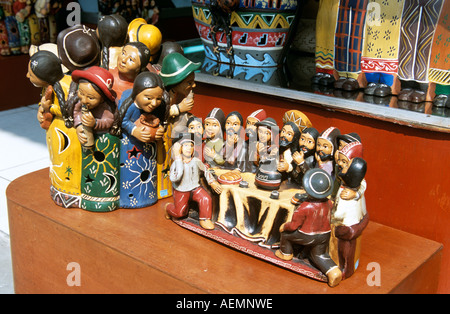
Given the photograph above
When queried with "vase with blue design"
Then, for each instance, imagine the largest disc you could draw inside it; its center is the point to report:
(259, 31)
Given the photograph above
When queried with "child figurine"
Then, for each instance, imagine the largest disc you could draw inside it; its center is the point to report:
(185, 176)
(213, 150)
(96, 115)
(349, 215)
(144, 103)
(45, 71)
(310, 226)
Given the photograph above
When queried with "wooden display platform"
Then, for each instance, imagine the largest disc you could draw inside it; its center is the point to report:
(139, 251)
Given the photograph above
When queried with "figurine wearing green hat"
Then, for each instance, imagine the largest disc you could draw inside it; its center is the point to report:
(177, 73)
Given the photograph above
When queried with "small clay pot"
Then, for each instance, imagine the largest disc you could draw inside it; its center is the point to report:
(150, 123)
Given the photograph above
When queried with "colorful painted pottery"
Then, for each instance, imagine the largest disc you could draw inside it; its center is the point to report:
(100, 174)
(259, 32)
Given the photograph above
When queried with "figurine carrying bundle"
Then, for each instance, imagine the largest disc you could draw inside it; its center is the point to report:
(100, 162)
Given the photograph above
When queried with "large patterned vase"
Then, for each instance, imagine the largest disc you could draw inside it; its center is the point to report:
(260, 30)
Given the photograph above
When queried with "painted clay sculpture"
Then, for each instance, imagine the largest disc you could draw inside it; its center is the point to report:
(138, 164)
(349, 216)
(131, 61)
(78, 47)
(65, 151)
(195, 126)
(12, 29)
(439, 67)
(166, 48)
(324, 52)
(185, 176)
(259, 30)
(267, 176)
(298, 117)
(112, 30)
(21, 11)
(4, 42)
(42, 10)
(379, 61)
(100, 164)
(325, 149)
(289, 140)
(213, 150)
(349, 43)
(310, 226)
(304, 158)
(177, 73)
(252, 138)
(148, 34)
(419, 20)
(235, 148)
(178, 76)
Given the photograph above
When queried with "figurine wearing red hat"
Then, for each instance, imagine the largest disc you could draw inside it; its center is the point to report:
(95, 117)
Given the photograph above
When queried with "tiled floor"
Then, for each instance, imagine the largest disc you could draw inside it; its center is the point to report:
(23, 150)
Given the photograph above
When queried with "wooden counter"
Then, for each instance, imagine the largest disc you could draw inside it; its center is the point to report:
(139, 251)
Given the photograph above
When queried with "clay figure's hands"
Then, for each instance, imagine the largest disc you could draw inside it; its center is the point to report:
(348, 194)
(40, 114)
(81, 136)
(87, 119)
(186, 104)
(209, 152)
(159, 133)
(176, 150)
(298, 157)
(282, 227)
(216, 187)
(283, 166)
(141, 134)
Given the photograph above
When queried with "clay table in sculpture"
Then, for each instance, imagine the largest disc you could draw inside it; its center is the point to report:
(139, 251)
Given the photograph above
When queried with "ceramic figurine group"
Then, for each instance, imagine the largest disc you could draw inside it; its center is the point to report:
(386, 47)
(107, 111)
(27, 22)
(116, 108)
(327, 166)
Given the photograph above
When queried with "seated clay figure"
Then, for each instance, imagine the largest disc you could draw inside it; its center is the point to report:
(310, 226)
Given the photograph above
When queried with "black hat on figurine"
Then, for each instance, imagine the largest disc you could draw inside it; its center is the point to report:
(348, 138)
(185, 137)
(317, 183)
(355, 173)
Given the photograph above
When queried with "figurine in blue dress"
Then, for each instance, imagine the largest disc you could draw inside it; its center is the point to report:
(142, 111)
